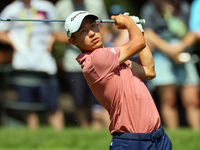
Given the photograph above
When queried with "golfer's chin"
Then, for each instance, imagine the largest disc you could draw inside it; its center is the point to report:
(93, 47)
(97, 45)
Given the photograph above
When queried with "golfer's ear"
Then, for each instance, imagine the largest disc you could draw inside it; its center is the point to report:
(72, 41)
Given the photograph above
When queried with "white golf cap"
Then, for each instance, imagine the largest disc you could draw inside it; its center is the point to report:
(73, 22)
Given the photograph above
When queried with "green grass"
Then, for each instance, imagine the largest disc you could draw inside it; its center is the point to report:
(74, 138)
(184, 139)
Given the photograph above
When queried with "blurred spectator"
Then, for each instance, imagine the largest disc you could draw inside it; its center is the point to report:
(6, 54)
(194, 22)
(117, 37)
(32, 43)
(82, 95)
(166, 32)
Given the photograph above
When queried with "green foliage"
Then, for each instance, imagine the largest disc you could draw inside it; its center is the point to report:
(74, 138)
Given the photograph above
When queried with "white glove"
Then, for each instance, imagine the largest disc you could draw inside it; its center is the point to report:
(135, 19)
(126, 13)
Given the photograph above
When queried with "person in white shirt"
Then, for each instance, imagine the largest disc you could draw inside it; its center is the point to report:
(79, 89)
(32, 43)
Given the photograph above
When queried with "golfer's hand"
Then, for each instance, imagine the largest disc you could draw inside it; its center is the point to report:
(122, 21)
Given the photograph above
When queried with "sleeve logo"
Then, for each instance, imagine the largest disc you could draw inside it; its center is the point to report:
(113, 50)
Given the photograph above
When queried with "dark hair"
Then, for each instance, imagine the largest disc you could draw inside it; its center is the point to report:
(175, 3)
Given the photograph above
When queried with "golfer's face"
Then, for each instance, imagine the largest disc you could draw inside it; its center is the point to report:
(88, 36)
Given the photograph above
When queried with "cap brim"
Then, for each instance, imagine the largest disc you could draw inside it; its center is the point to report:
(81, 20)
(74, 21)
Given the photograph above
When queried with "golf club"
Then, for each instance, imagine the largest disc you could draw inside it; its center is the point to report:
(141, 21)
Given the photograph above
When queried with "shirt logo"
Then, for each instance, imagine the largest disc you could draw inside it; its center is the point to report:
(72, 19)
(113, 50)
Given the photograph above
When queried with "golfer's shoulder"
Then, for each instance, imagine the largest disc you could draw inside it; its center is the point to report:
(105, 55)
(99, 54)
(92, 56)
(104, 52)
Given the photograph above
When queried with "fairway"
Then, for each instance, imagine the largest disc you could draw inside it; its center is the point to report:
(74, 138)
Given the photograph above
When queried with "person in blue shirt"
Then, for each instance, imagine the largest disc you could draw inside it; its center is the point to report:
(194, 22)
(168, 36)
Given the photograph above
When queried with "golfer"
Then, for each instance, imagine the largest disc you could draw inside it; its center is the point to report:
(117, 83)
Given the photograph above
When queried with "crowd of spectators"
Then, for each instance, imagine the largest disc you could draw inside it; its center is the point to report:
(171, 31)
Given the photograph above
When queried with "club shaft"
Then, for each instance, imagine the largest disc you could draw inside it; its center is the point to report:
(141, 21)
(35, 20)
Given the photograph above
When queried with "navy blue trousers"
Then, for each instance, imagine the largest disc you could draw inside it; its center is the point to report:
(141, 141)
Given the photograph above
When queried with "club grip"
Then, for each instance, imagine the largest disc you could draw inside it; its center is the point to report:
(141, 21)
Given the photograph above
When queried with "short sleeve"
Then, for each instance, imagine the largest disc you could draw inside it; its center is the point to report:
(106, 61)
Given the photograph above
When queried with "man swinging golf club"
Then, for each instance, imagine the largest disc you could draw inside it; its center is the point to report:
(117, 83)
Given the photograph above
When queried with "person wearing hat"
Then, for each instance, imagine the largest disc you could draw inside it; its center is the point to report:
(116, 82)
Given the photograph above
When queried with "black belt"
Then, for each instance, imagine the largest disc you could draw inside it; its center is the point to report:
(140, 136)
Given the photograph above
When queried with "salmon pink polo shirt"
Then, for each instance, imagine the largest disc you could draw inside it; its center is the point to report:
(120, 91)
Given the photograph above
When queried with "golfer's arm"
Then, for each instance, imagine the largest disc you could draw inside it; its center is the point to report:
(136, 43)
(145, 67)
